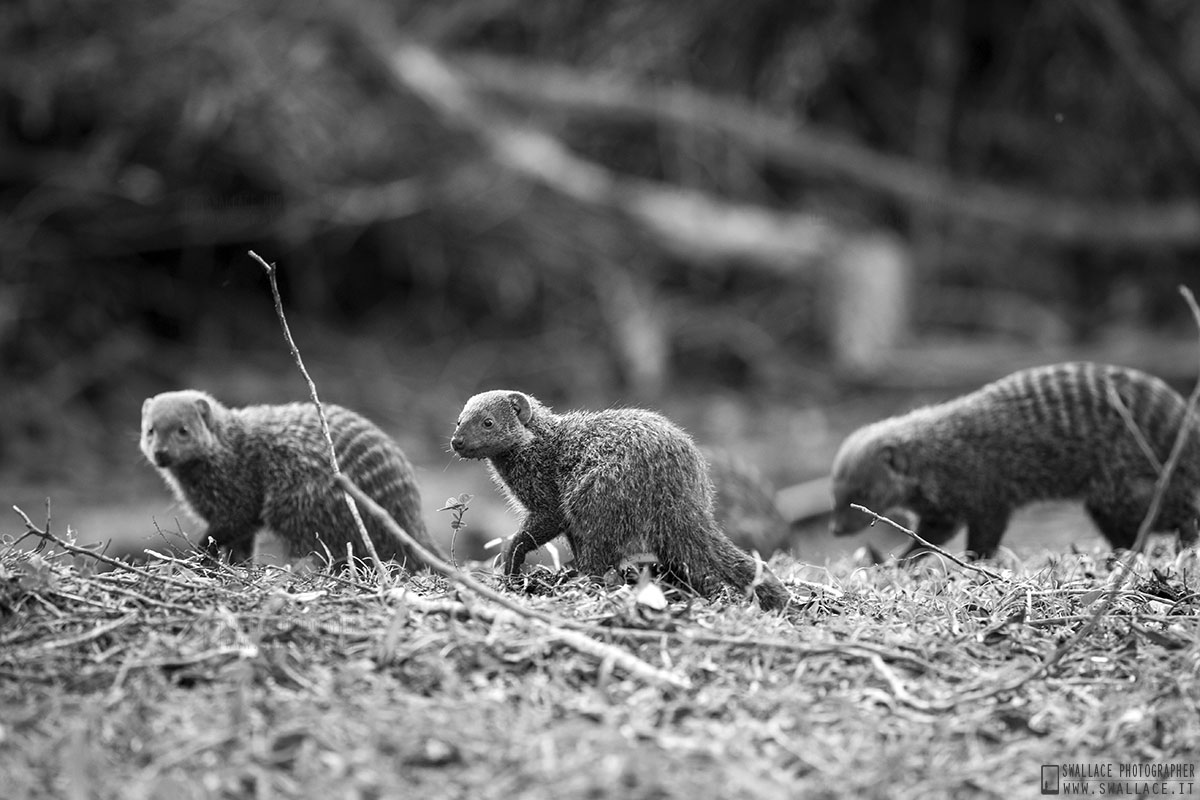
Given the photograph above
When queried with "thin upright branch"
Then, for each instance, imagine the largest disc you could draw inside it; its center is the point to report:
(1182, 437)
(1116, 402)
(368, 545)
(1121, 575)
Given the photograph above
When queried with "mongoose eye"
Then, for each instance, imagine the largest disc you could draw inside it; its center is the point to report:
(489, 422)
(184, 432)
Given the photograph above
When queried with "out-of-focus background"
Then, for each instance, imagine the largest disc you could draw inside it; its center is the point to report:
(772, 220)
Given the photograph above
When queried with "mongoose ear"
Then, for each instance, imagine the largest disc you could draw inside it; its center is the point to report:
(521, 407)
(205, 410)
(895, 459)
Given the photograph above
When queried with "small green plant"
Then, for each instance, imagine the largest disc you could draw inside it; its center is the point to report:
(457, 506)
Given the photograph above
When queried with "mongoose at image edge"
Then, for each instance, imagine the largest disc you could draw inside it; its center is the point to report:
(243, 469)
(617, 483)
(1047, 433)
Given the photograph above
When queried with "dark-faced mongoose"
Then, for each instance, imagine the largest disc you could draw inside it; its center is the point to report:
(617, 483)
(1053, 432)
(267, 466)
(744, 503)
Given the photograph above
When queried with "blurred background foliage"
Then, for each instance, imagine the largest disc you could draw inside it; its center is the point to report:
(599, 202)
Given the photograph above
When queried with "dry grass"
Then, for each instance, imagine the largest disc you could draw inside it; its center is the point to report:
(191, 679)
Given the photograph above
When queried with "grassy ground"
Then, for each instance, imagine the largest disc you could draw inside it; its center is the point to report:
(185, 679)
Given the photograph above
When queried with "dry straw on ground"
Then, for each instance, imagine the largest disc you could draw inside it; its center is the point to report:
(185, 675)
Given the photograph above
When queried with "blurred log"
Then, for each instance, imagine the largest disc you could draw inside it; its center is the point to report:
(691, 224)
(869, 276)
(808, 150)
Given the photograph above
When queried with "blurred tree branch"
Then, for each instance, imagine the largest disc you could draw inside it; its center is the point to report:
(809, 150)
(689, 223)
(934, 123)
(1165, 89)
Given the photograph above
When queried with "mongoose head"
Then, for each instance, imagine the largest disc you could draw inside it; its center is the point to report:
(872, 469)
(494, 423)
(177, 427)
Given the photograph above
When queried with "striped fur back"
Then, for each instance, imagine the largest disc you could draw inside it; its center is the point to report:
(1094, 433)
(1082, 400)
(374, 462)
(304, 508)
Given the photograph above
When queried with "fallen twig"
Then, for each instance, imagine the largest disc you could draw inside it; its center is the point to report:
(898, 690)
(858, 650)
(70, 641)
(568, 631)
(574, 639)
(117, 563)
(919, 539)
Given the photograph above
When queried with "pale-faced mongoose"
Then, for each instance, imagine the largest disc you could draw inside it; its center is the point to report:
(267, 466)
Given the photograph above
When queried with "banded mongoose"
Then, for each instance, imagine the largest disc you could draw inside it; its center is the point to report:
(1047, 433)
(616, 483)
(744, 503)
(242, 469)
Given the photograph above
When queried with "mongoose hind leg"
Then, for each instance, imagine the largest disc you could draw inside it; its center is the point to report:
(1180, 512)
(984, 533)
(1120, 509)
(1188, 533)
(1118, 523)
(722, 562)
(610, 522)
